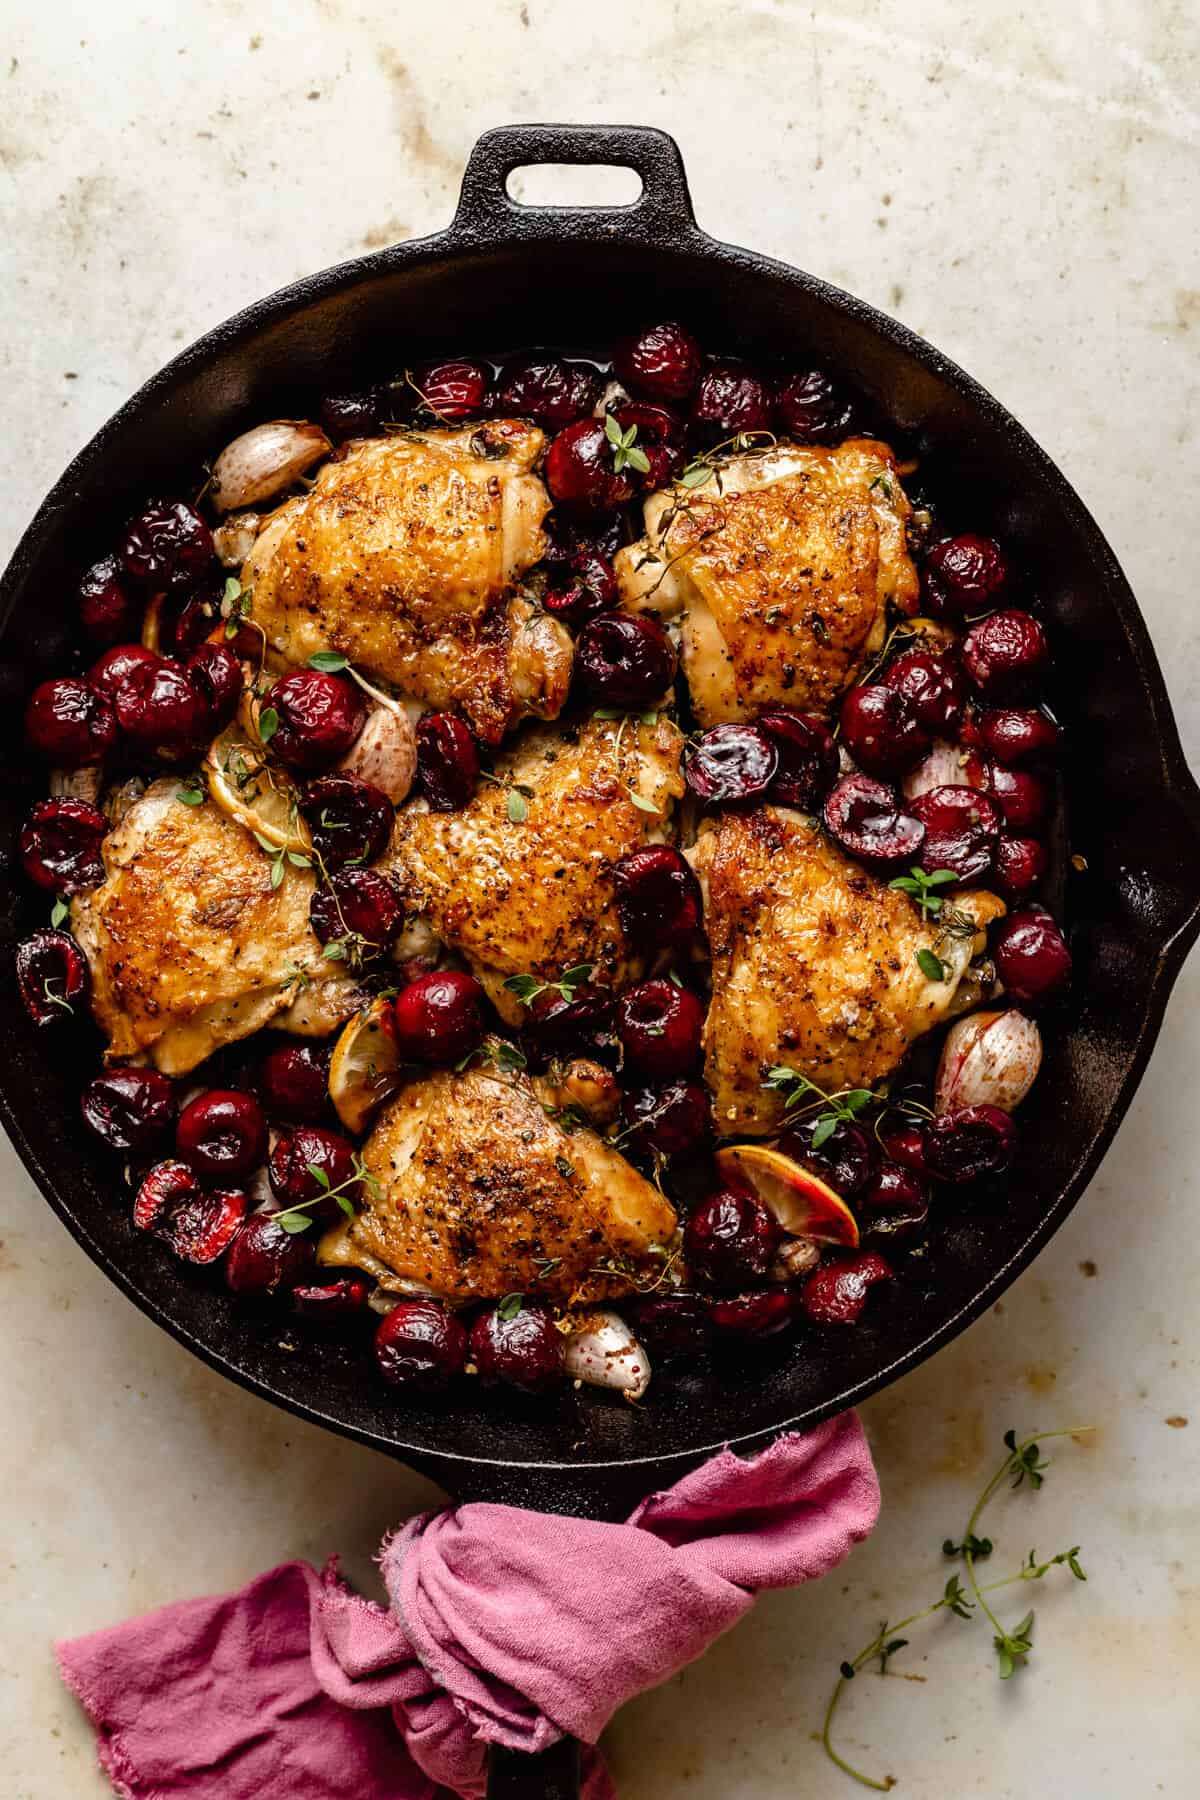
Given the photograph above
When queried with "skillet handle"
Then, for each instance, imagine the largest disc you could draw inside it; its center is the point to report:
(662, 211)
(554, 1775)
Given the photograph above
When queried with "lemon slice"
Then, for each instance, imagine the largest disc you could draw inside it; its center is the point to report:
(366, 1069)
(248, 789)
(801, 1203)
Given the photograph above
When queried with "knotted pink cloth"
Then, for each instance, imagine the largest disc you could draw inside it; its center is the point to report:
(505, 1626)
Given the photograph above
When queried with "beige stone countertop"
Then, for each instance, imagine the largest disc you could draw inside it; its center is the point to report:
(1022, 186)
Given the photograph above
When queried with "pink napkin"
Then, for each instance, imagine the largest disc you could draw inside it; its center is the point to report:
(505, 1626)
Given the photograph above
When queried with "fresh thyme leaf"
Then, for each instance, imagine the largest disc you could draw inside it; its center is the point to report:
(824, 1130)
(919, 887)
(319, 1176)
(528, 987)
(58, 912)
(635, 456)
(931, 966)
(510, 1306)
(612, 431)
(642, 804)
(346, 1205)
(504, 1057)
(525, 987)
(268, 724)
(566, 1169)
(277, 873)
(880, 481)
(293, 1222)
(608, 712)
(329, 662)
(192, 791)
(695, 475)
(230, 596)
(518, 807)
(978, 1547)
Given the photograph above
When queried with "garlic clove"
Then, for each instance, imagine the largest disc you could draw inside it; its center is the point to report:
(603, 1352)
(947, 765)
(988, 1059)
(234, 538)
(265, 460)
(385, 753)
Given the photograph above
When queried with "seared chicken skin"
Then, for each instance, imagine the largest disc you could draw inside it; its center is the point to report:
(191, 947)
(400, 557)
(481, 1193)
(814, 964)
(520, 881)
(782, 563)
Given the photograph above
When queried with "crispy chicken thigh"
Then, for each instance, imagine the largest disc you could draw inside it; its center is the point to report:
(782, 563)
(814, 963)
(401, 556)
(520, 881)
(482, 1193)
(191, 947)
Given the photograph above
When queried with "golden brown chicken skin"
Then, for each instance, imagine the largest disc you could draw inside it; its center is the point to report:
(479, 1192)
(782, 564)
(814, 964)
(520, 881)
(402, 556)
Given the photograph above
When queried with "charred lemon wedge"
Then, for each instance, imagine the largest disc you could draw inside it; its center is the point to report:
(366, 1069)
(800, 1202)
(244, 785)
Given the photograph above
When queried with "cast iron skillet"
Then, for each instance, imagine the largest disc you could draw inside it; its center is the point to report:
(505, 276)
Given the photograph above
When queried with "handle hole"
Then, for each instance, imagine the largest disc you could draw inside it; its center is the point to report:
(574, 184)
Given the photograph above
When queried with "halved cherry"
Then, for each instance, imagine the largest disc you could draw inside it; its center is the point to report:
(803, 1204)
(198, 1226)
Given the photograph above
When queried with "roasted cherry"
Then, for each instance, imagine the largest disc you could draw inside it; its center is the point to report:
(1012, 733)
(162, 712)
(108, 612)
(1032, 959)
(961, 827)
(844, 1158)
(129, 1109)
(808, 758)
(625, 661)
(865, 818)
(811, 408)
(932, 683)
(671, 1325)
(454, 390)
(583, 1026)
(671, 1120)
(318, 717)
(905, 1144)
(198, 1226)
(216, 673)
(293, 1080)
(186, 620)
(584, 587)
(438, 1018)
(581, 471)
(569, 538)
(420, 1345)
(53, 976)
(167, 546)
(967, 572)
(331, 1302)
(731, 763)
(68, 722)
(60, 845)
(881, 730)
(659, 902)
(350, 415)
(758, 1314)
(1005, 651)
(1019, 865)
(662, 362)
(546, 389)
(222, 1134)
(659, 1024)
(264, 1258)
(357, 910)
(893, 1206)
(836, 1293)
(447, 761)
(730, 1239)
(350, 820)
(970, 1142)
(730, 398)
(1022, 797)
(110, 670)
(519, 1344)
(307, 1164)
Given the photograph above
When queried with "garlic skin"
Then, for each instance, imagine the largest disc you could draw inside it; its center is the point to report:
(947, 765)
(385, 753)
(988, 1059)
(265, 460)
(795, 1257)
(77, 784)
(603, 1352)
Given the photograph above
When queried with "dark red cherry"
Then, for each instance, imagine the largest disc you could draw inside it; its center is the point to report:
(659, 1024)
(865, 818)
(53, 977)
(585, 587)
(108, 611)
(216, 673)
(129, 1109)
(730, 1239)
(162, 712)
(350, 820)
(671, 1325)
(60, 846)
(730, 398)
(671, 1119)
(967, 571)
(454, 390)
(663, 463)
(358, 911)
(625, 661)
(186, 620)
(264, 1258)
(350, 415)
(438, 1018)
(584, 1026)
(447, 761)
(905, 1144)
(199, 1227)
(893, 1207)
(67, 722)
(222, 1135)
(331, 1303)
(519, 1344)
(581, 471)
(968, 1143)
(758, 1314)
(655, 424)
(568, 538)
(1022, 797)
(1031, 954)
(1019, 866)
(420, 1345)
(845, 1158)
(318, 718)
(961, 827)
(551, 392)
(808, 758)
(306, 1164)
(293, 1080)
(662, 362)
(1005, 652)
(932, 683)
(658, 898)
(881, 730)
(167, 546)
(836, 1293)
(732, 763)
(1013, 733)
(110, 669)
(811, 408)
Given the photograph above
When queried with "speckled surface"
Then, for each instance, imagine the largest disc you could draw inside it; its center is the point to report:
(1021, 186)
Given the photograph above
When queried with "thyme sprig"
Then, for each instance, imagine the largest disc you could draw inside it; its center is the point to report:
(921, 889)
(627, 453)
(528, 987)
(804, 1096)
(298, 1218)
